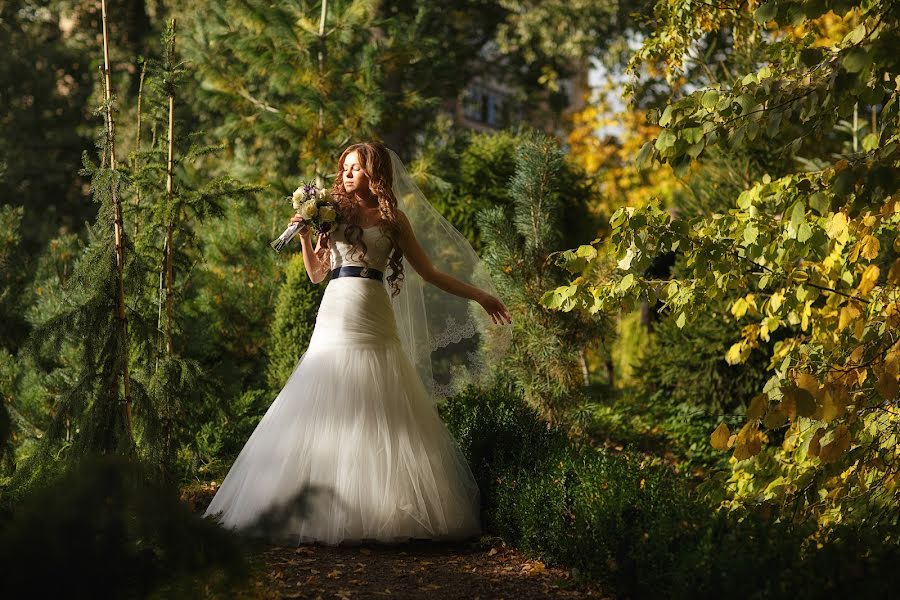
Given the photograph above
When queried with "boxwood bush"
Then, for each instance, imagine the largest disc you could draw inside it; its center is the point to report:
(640, 529)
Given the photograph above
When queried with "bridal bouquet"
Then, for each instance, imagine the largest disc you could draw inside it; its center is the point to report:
(317, 208)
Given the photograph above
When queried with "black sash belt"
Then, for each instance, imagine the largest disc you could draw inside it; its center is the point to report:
(356, 271)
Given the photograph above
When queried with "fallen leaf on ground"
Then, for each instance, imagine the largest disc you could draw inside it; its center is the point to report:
(533, 568)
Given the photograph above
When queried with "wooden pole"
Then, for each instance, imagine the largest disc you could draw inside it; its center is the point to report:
(170, 211)
(137, 145)
(321, 127)
(117, 225)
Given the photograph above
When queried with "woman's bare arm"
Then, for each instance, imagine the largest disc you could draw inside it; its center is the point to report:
(416, 257)
(316, 260)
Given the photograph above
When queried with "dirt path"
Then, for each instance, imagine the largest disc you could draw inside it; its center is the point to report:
(421, 570)
(487, 569)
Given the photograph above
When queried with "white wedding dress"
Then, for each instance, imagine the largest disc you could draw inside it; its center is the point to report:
(353, 433)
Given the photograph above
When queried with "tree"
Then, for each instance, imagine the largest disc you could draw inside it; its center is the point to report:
(548, 359)
(295, 315)
(811, 249)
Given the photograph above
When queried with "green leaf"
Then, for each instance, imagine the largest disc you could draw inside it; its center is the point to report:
(680, 320)
(811, 56)
(551, 299)
(820, 203)
(856, 35)
(618, 217)
(751, 233)
(586, 251)
(765, 13)
(870, 142)
(856, 60)
(665, 140)
(798, 215)
(666, 117)
(626, 282)
(710, 99)
(804, 232)
(644, 156)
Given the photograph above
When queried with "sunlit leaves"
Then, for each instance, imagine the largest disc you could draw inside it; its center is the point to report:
(808, 256)
(719, 438)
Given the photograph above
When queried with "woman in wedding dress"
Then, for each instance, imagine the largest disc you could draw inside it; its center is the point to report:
(353, 449)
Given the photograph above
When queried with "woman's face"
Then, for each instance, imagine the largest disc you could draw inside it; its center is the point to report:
(355, 179)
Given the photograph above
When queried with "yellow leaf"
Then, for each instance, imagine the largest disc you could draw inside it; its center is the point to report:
(887, 385)
(739, 308)
(748, 442)
(788, 405)
(719, 438)
(735, 354)
(837, 227)
(774, 418)
(775, 301)
(894, 273)
(751, 448)
(835, 398)
(849, 313)
(834, 443)
(868, 280)
(808, 382)
(757, 406)
(869, 247)
(814, 447)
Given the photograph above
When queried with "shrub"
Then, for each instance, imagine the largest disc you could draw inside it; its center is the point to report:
(638, 528)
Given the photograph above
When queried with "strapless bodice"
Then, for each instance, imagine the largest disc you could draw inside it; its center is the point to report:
(378, 249)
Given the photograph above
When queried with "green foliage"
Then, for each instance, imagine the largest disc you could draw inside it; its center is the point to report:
(808, 248)
(479, 178)
(295, 317)
(108, 529)
(90, 415)
(261, 76)
(547, 347)
(209, 452)
(688, 365)
(166, 218)
(48, 80)
(639, 529)
(15, 266)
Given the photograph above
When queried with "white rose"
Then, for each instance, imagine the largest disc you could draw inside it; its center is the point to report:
(327, 213)
(309, 210)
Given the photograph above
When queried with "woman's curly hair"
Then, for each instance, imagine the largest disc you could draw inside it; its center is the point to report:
(375, 160)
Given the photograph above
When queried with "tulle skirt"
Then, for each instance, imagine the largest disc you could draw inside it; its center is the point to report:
(352, 449)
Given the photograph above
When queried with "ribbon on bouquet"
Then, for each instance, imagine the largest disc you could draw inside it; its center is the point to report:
(287, 235)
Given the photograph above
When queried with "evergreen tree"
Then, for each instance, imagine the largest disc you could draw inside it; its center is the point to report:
(295, 315)
(548, 355)
(294, 81)
(173, 201)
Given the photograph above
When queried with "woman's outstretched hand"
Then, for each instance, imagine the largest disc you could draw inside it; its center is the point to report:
(494, 306)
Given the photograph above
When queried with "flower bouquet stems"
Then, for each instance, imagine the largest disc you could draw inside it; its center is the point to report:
(315, 206)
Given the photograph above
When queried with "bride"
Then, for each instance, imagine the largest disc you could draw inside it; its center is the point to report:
(353, 448)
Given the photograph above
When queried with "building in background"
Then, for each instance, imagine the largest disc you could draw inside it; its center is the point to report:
(488, 102)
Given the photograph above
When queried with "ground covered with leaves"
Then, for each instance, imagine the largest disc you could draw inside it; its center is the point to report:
(485, 568)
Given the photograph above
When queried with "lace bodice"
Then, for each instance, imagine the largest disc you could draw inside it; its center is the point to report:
(378, 249)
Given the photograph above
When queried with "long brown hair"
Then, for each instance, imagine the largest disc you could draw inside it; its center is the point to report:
(375, 160)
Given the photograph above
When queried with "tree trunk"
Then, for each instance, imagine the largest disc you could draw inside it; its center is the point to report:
(137, 144)
(117, 226)
(170, 275)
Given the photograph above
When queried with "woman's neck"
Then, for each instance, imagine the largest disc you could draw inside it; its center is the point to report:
(369, 201)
